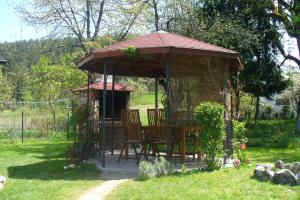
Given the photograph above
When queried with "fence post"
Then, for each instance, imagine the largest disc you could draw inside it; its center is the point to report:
(68, 126)
(22, 126)
(47, 127)
(54, 125)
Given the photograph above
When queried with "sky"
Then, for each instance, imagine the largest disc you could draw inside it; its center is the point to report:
(12, 28)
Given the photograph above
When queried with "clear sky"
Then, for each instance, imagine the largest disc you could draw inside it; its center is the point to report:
(12, 28)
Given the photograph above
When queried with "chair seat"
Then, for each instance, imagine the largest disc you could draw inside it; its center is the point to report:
(134, 141)
(159, 141)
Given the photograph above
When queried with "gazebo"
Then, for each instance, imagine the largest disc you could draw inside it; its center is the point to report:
(191, 71)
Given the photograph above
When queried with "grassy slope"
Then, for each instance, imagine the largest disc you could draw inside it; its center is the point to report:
(35, 171)
(223, 184)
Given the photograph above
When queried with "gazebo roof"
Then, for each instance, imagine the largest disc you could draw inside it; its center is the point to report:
(100, 85)
(157, 44)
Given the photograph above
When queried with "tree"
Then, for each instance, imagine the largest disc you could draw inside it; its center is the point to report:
(52, 82)
(84, 19)
(263, 79)
(293, 92)
(287, 13)
(5, 88)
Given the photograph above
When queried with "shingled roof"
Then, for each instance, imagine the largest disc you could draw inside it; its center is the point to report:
(164, 39)
(158, 44)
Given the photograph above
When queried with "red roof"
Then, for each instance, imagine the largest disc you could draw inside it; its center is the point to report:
(100, 85)
(165, 39)
(159, 44)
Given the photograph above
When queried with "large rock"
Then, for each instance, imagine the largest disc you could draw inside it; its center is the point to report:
(266, 166)
(2, 179)
(262, 173)
(279, 164)
(296, 168)
(2, 182)
(285, 177)
(298, 178)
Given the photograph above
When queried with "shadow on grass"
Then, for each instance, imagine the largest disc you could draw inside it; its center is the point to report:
(53, 170)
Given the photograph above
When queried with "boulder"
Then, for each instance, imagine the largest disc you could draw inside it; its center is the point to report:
(266, 166)
(296, 168)
(2, 182)
(285, 177)
(298, 178)
(263, 173)
(2, 179)
(287, 166)
(279, 164)
(72, 166)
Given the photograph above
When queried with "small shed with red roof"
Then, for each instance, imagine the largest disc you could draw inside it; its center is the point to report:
(117, 93)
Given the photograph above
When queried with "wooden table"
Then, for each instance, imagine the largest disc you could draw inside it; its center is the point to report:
(179, 133)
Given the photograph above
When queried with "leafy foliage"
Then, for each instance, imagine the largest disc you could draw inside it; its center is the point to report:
(210, 117)
(160, 167)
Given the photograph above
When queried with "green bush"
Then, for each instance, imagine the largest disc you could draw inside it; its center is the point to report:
(161, 167)
(146, 170)
(239, 139)
(210, 117)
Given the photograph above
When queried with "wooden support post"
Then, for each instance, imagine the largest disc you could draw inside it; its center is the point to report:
(88, 115)
(156, 93)
(228, 146)
(104, 115)
(112, 114)
(168, 107)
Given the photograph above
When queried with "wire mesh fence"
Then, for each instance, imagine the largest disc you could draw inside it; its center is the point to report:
(25, 125)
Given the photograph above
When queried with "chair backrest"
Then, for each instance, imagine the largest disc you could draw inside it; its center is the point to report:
(132, 124)
(157, 120)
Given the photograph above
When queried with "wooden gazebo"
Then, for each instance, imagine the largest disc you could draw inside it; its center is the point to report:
(190, 70)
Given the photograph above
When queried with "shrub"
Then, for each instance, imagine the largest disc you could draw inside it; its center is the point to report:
(210, 117)
(239, 141)
(146, 170)
(161, 167)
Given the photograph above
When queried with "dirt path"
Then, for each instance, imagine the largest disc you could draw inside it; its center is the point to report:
(113, 180)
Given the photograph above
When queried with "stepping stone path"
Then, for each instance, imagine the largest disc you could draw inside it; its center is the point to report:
(279, 173)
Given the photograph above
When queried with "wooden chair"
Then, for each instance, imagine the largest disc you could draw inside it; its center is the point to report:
(133, 133)
(157, 127)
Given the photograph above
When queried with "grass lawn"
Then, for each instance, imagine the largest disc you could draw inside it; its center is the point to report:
(222, 184)
(35, 171)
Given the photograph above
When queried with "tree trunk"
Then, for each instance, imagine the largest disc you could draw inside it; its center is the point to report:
(298, 45)
(256, 109)
(297, 124)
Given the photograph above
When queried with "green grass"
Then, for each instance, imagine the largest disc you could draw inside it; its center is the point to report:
(35, 171)
(144, 99)
(223, 184)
